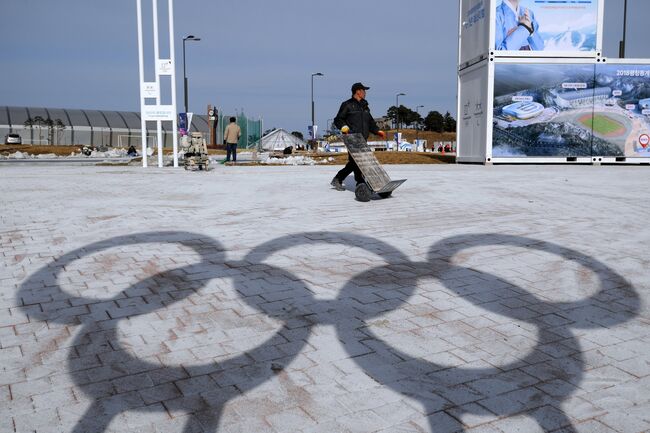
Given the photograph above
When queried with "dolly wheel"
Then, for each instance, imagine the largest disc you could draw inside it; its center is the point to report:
(362, 192)
(385, 194)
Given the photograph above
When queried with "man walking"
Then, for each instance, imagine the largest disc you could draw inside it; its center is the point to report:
(354, 117)
(231, 138)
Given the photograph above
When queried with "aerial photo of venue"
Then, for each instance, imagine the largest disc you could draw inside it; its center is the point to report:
(571, 110)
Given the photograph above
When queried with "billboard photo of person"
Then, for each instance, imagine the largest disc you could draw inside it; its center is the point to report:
(516, 28)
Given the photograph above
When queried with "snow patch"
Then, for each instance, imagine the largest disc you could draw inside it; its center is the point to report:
(112, 153)
(295, 160)
(18, 155)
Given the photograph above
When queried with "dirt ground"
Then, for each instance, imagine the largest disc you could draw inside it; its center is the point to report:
(410, 134)
(338, 158)
(6, 149)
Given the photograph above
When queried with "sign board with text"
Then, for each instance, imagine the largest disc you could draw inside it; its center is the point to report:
(165, 67)
(150, 90)
(158, 112)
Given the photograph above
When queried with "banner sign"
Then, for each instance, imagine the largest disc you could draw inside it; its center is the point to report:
(546, 25)
(182, 123)
(571, 110)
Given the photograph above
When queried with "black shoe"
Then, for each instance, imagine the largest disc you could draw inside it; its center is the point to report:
(337, 184)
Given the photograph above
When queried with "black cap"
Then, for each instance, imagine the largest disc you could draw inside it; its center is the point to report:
(358, 86)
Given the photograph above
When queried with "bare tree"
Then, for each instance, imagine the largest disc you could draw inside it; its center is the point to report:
(59, 127)
(50, 130)
(55, 128)
(37, 122)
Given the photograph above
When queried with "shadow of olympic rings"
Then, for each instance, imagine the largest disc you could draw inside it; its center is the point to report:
(503, 390)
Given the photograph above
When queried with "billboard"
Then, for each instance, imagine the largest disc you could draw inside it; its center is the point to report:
(546, 110)
(624, 119)
(571, 110)
(546, 25)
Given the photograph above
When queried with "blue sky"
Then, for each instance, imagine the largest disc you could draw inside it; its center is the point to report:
(254, 55)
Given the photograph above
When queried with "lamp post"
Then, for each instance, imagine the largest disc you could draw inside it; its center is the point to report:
(329, 127)
(186, 38)
(621, 46)
(317, 74)
(397, 119)
(417, 126)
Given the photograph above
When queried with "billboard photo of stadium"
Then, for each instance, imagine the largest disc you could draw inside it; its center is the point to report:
(571, 110)
(624, 119)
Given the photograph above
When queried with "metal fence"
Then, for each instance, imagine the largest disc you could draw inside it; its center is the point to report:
(251, 130)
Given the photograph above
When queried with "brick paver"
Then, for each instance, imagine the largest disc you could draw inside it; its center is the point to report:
(477, 299)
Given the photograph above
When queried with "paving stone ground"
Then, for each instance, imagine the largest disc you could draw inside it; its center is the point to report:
(477, 299)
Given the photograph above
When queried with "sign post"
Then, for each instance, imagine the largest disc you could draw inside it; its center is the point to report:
(151, 90)
(172, 55)
(159, 72)
(143, 93)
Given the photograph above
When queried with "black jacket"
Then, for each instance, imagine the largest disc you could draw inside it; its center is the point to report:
(356, 115)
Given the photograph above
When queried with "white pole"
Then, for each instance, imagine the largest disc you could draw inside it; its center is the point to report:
(173, 59)
(154, 4)
(261, 132)
(220, 129)
(143, 122)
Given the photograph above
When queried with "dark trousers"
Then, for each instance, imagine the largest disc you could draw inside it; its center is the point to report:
(231, 148)
(350, 167)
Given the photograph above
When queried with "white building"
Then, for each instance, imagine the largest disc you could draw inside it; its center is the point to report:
(581, 98)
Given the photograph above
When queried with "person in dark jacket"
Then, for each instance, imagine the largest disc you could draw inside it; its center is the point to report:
(354, 117)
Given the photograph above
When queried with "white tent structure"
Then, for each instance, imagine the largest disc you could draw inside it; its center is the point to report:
(278, 140)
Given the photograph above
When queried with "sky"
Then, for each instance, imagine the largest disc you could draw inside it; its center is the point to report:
(254, 56)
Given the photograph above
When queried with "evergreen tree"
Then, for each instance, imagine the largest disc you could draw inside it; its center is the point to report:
(449, 123)
(407, 117)
(434, 122)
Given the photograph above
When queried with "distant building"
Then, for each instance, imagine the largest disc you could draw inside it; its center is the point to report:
(383, 123)
(523, 110)
(102, 128)
(581, 98)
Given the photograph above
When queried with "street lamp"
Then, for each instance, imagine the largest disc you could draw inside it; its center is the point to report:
(397, 117)
(417, 126)
(186, 38)
(317, 74)
(621, 46)
(329, 127)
